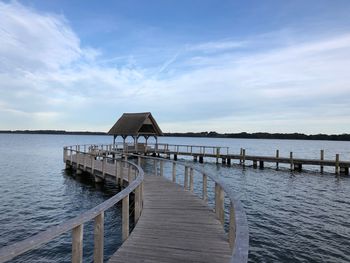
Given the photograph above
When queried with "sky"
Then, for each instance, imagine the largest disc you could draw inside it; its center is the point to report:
(225, 66)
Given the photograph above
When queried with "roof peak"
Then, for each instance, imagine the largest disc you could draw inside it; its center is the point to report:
(135, 124)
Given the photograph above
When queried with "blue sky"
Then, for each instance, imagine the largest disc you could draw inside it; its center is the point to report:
(226, 66)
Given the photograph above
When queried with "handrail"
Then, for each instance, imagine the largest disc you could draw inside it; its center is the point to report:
(76, 223)
(238, 226)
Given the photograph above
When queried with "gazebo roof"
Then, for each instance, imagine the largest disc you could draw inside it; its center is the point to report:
(136, 124)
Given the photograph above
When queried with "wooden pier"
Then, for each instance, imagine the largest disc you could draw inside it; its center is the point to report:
(175, 226)
(200, 153)
(172, 223)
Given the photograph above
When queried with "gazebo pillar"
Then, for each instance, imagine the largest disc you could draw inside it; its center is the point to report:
(135, 142)
(114, 137)
(124, 146)
(156, 142)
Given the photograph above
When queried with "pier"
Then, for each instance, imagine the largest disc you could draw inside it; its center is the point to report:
(223, 155)
(172, 224)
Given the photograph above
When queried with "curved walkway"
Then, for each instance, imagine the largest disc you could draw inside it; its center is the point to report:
(175, 226)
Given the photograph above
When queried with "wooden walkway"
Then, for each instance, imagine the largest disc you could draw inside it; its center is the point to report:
(200, 152)
(175, 226)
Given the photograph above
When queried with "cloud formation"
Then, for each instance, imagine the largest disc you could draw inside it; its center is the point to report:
(50, 80)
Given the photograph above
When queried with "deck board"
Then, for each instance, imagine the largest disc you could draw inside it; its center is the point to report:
(175, 226)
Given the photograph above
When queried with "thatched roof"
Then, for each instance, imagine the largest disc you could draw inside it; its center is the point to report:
(135, 124)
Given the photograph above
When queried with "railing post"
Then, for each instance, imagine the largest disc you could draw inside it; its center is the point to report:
(240, 155)
(322, 158)
(291, 160)
(64, 154)
(84, 154)
(129, 174)
(99, 238)
(277, 156)
(219, 203)
(232, 227)
(121, 175)
(103, 166)
(186, 178)
(174, 172)
(116, 171)
(217, 154)
(139, 161)
(243, 160)
(141, 196)
(337, 164)
(191, 180)
(205, 187)
(92, 165)
(125, 218)
(137, 203)
(77, 244)
(155, 167)
(161, 168)
(126, 159)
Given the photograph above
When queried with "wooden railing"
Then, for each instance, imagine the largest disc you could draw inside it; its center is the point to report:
(234, 216)
(72, 155)
(159, 147)
(238, 233)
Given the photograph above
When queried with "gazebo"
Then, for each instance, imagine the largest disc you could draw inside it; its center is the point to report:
(136, 125)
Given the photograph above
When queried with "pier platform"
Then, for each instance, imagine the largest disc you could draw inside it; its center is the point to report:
(175, 226)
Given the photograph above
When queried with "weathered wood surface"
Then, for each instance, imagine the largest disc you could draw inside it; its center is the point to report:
(175, 226)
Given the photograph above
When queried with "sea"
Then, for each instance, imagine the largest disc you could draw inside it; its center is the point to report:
(292, 216)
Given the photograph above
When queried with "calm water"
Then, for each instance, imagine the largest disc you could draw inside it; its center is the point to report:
(293, 217)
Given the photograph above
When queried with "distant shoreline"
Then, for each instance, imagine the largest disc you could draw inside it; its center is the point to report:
(242, 135)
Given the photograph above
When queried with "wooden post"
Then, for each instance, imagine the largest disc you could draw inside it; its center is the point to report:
(217, 154)
(240, 155)
(337, 164)
(137, 203)
(232, 227)
(155, 167)
(291, 160)
(129, 174)
(92, 165)
(322, 158)
(261, 164)
(116, 171)
(277, 157)
(243, 161)
(161, 168)
(126, 159)
(205, 189)
(139, 161)
(174, 172)
(84, 154)
(77, 244)
(186, 178)
(103, 166)
(191, 180)
(219, 203)
(121, 175)
(141, 197)
(125, 218)
(99, 238)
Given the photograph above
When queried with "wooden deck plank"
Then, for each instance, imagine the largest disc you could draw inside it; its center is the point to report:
(175, 226)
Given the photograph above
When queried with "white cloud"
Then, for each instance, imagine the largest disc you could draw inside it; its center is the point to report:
(33, 41)
(46, 76)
